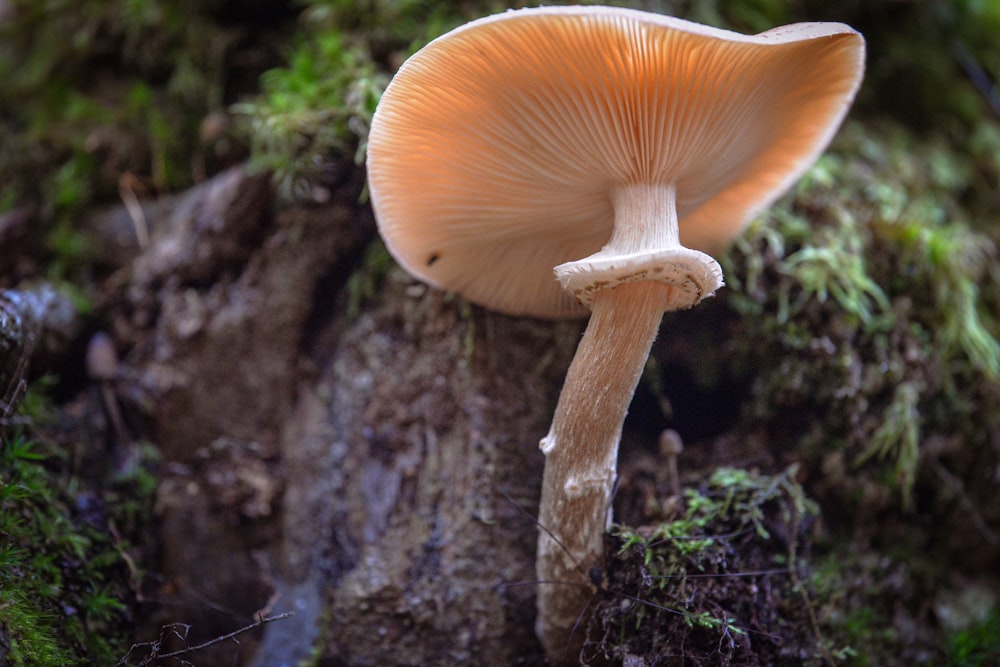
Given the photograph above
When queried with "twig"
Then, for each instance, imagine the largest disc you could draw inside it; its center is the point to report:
(126, 190)
(980, 78)
(256, 624)
(954, 484)
(797, 584)
(155, 646)
(135, 578)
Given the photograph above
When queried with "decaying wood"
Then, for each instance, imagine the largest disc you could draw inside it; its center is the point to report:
(425, 419)
(350, 465)
(213, 315)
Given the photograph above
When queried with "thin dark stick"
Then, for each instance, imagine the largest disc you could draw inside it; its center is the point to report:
(190, 649)
(545, 528)
(709, 575)
(256, 624)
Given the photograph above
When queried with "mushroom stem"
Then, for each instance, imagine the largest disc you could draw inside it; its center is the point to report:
(581, 447)
(582, 451)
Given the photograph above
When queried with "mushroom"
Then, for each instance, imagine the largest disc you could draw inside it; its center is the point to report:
(102, 365)
(616, 148)
(671, 447)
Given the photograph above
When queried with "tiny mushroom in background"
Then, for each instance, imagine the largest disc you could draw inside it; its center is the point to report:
(102, 367)
(597, 143)
(671, 447)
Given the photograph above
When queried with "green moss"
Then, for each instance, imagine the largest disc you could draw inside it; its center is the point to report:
(56, 577)
(28, 634)
(96, 90)
(313, 109)
(866, 305)
(715, 580)
(65, 586)
(897, 438)
(318, 106)
(978, 646)
(878, 602)
(867, 299)
(401, 26)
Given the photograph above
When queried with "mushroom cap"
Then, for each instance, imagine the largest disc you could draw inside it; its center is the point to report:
(494, 149)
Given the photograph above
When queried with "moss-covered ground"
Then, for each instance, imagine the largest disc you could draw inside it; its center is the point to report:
(67, 571)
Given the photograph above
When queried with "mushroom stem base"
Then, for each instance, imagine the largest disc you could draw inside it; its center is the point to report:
(581, 452)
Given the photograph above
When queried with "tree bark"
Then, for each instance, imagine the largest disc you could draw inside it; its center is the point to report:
(413, 474)
(370, 465)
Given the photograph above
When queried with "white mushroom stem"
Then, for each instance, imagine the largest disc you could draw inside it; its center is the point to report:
(581, 447)
(582, 452)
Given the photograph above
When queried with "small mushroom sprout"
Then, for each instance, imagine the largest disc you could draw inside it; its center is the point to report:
(615, 148)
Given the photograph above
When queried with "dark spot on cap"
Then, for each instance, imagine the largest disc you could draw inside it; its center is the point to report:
(433, 258)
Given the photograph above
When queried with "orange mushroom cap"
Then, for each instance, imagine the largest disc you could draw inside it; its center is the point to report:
(495, 148)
